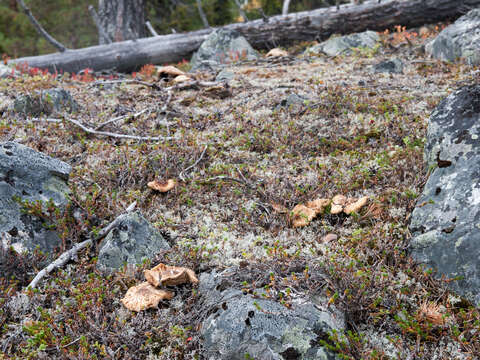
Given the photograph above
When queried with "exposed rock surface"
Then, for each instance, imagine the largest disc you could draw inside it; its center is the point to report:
(446, 222)
(459, 40)
(6, 71)
(344, 44)
(244, 327)
(393, 66)
(131, 242)
(45, 102)
(222, 47)
(27, 175)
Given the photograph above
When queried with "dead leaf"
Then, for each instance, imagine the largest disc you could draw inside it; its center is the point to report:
(144, 296)
(169, 275)
(302, 215)
(318, 205)
(169, 71)
(356, 206)
(276, 52)
(162, 186)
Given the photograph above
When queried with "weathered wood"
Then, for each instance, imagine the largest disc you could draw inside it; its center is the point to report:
(277, 30)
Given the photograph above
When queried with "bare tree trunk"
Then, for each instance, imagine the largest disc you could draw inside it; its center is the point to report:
(121, 19)
(286, 4)
(39, 27)
(281, 30)
(202, 14)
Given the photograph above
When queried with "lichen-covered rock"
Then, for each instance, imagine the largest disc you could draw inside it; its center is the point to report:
(344, 44)
(45, 102)
(459, 40)
(446, 222)
(222, 47)
(131, 242)
(393, 66)
(7, 71)
(243, 327)
(29, 176)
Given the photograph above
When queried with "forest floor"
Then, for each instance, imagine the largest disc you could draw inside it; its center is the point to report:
(356, 134)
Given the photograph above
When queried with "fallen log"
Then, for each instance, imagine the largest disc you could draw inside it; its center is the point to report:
(262, 33)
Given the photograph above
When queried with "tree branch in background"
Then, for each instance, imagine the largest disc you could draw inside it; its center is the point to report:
(286, 4)
(100, 28)
(240, 9)
(150, 28)
(202, 14)
(39, 27)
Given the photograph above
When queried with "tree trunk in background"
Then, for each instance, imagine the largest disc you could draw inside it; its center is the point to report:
(121, 19)
(277, 30)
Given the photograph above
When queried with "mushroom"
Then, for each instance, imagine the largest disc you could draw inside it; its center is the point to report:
(318, 205)
(162, 186)
(302, 215)
(276, 52)
(169, 275)
(168, 71)
(355, 206)
(144, 296)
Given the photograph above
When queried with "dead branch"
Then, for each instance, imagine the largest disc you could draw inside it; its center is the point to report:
(119, 136)
(240, 10)
(39, 27)
(99, 26)
(70, 254)
(286, 4)
(150, 28)
(119, 118)
(202, 14)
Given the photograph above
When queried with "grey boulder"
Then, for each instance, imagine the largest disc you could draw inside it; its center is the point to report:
(220, 48)
(243, 327)
(345, 44)
(27, 176)
(446, 221)
(131, 242)
(393, 66)
(45, 102)
(459, 40)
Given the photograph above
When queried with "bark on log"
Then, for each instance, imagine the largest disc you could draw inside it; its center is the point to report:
(277, 30)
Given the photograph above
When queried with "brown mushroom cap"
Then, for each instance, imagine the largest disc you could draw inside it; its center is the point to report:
(169, 275)
(276, 52)
(144, 296)
(169, 71)
(162, 186)
(318, 205)
(356, 206)
(181, 78)
(339, 199)
(302, 215)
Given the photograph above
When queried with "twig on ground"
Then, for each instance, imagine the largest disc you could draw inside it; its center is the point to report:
(127, 81)
(181, 175)
(120, 136)
(119, 118)
(67, 255)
